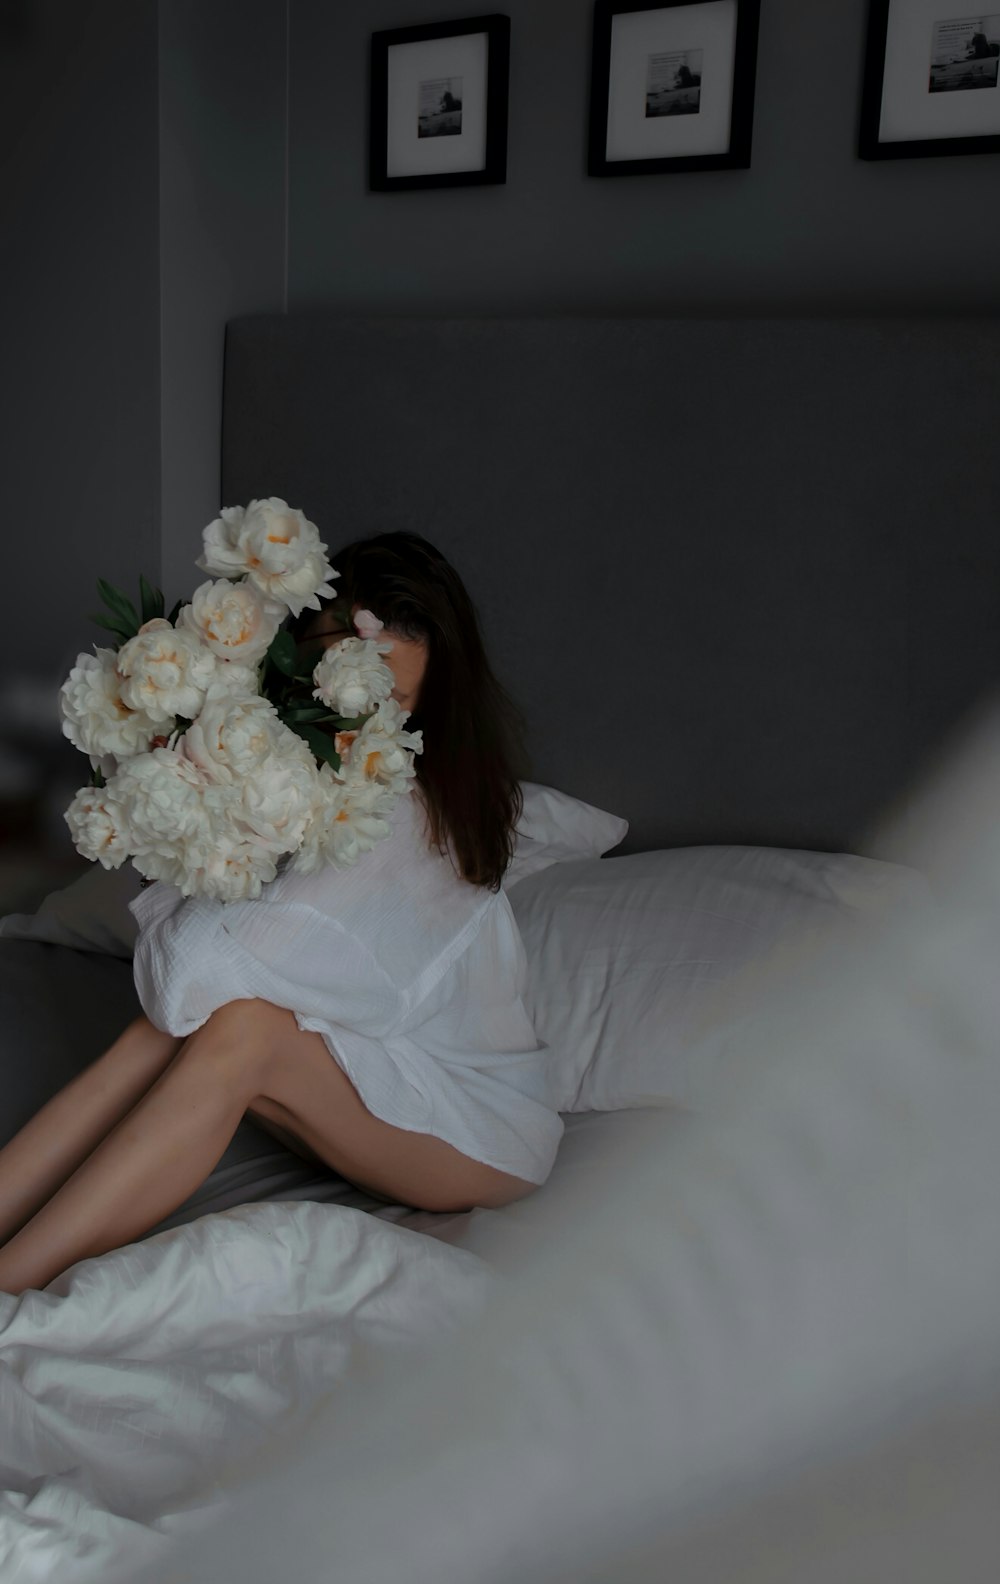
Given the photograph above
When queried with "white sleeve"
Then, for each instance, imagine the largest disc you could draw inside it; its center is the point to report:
(193, 955)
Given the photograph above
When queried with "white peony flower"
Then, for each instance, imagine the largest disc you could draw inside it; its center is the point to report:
(236, 870)
(240, 877)
(235, 620)
(231, 677)
(171, 803)
(309, 855)
(160, 866)
(232, 869)
(349, 821)
(381, 751)
(205, 786)
(351, 678)
(99, 826)
(185, 829)
(234, 735)
(280, 801)
(164, 671)
(95, 717)
(276, 547)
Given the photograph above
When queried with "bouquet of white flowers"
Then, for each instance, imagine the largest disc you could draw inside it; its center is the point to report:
(217, 745)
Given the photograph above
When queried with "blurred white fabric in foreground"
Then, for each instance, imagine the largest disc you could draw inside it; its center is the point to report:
(763, 1348)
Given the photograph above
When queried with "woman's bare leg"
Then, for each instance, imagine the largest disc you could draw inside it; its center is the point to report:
(60, 1136)
(249, 1057)
(148, 1164)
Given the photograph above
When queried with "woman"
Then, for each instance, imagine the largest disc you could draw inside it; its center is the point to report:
(369, 1017)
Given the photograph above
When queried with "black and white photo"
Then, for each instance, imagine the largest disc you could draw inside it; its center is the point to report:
(438, 104)
(965, 54)
(931, 81)
(672, 86)
(440, 113)
(673, 83)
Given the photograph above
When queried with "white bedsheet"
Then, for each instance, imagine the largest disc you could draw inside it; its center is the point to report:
(134, 1376)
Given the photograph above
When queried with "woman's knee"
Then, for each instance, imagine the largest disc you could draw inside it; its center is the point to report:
(244, 1020)
(245, 1034)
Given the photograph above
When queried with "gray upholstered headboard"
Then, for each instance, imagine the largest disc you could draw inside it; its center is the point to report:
(743, 576)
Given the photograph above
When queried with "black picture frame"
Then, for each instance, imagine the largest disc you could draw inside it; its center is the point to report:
(888, 22)
(389, 147)
(736, 153)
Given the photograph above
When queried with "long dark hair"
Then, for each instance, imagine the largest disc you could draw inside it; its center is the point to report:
(473, 733)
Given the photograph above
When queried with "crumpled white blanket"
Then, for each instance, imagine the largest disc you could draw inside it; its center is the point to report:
(134, 1376)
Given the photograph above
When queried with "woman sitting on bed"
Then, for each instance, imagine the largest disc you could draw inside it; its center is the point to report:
(370, 1017)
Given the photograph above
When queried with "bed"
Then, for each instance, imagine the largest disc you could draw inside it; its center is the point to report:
(747, 548)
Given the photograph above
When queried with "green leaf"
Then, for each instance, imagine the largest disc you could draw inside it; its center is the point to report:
(306, 712)
(282, 653)
(118, 602)
(117, 627)
(320, 744)
(152, 599)
(172, 618)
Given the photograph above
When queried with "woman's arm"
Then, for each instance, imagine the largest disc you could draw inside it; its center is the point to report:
(185, 966)
(194, 955)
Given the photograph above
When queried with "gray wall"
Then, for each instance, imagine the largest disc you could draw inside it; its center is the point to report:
(167, 165)
(223, 109)
(142, 182)
(808, 227)
(79, 327)
(79, 304)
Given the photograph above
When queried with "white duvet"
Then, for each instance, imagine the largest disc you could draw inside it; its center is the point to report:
(134, 1377)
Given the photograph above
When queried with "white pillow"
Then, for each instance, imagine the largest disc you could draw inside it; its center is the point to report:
(633, 961)
(92, 914)
(758, 1347)
(556, 828)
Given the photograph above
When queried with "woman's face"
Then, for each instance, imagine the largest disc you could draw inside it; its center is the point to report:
(407, 659)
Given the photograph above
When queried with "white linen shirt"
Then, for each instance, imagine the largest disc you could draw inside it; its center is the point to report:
(413, 977)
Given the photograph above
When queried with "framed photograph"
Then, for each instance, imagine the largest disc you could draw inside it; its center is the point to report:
(438, 108)
(931, 80)
(672, 86)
